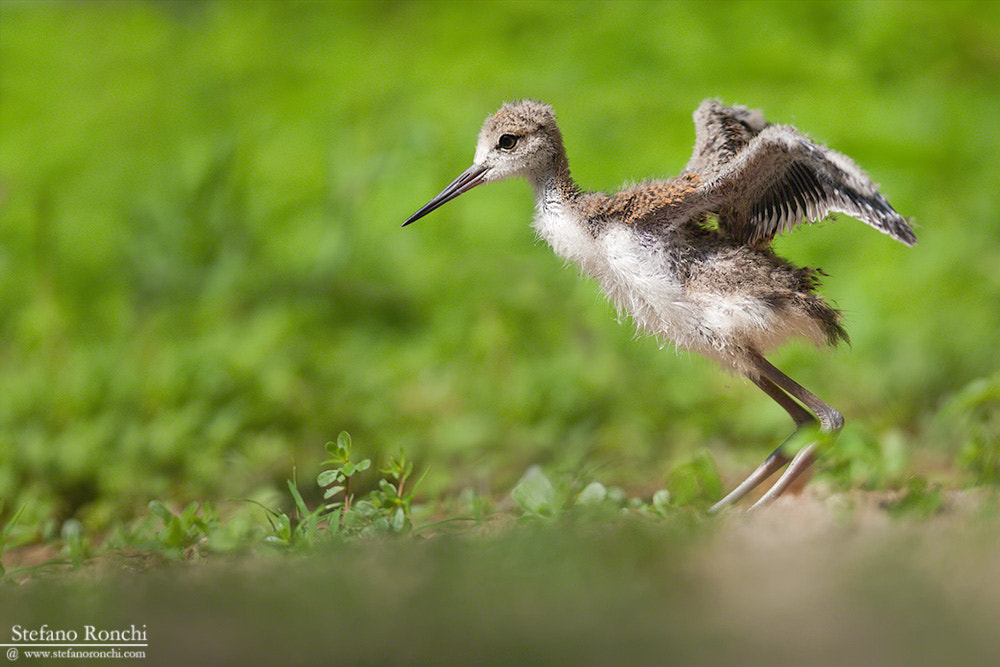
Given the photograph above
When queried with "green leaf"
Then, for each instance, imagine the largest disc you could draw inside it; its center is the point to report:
(283, 528)
(694, 481)
(71, 531)
(399, 520)
(344, 443)
(333, 518)
(365, 508)
(328, 477)
(5, 532)
(299, 502)
(332, 491)
(363, 464)
(534, 494)
(593, 494)
(160, 510)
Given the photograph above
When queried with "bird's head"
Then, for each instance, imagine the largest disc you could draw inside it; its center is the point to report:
(521, 139)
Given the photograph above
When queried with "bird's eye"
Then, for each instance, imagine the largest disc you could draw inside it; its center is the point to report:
(507, 141)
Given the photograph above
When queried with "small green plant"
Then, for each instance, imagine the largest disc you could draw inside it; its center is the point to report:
(304, 528)
(184, 531)
(337, 479)
(384, 510)
(392, 499)
(858, 459)
(918, 499)
(972, 419)
(692, 482)
(5, 532)
(74, 543)
(539, 498)
(660, 503)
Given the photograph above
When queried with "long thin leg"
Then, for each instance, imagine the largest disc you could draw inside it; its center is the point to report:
(799, 464)
(829, 419)
(778, 458)
(785, 392)
(771, 464)
(799, 415)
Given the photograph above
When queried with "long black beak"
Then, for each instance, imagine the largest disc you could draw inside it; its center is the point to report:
(469, 179)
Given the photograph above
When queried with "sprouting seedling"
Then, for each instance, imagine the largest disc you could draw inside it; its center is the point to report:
(337, 478)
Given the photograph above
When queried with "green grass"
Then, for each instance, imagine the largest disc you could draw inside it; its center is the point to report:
(205, 281)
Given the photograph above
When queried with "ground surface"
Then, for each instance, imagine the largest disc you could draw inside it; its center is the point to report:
(808, 580)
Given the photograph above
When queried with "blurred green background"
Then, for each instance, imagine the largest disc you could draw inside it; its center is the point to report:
(204, 278)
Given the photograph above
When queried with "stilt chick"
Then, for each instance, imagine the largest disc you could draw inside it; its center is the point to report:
(689, 258)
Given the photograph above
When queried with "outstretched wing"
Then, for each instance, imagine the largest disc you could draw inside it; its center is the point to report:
(720, 133)
(779, 178)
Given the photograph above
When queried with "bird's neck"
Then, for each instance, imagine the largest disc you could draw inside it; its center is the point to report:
(558, 216)
(554, 186)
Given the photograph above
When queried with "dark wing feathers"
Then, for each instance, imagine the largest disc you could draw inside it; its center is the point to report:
(721, 132)
(761, 179)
